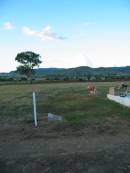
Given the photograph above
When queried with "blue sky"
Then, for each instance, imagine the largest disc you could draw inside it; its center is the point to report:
(66, 33)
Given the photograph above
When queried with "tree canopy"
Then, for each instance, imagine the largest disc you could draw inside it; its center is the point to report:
(28, 60)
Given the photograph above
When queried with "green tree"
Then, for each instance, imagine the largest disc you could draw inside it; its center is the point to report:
(28, 60)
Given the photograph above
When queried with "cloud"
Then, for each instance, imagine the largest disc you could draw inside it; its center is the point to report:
(45, 34)
(88, 61)
(8, 26)
(28, 31)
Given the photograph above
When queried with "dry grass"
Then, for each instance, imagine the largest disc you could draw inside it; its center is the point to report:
(68, 99)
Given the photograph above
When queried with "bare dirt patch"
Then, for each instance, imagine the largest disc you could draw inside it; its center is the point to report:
(97, 147)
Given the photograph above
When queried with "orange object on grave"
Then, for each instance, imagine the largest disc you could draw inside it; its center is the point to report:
(91, 89)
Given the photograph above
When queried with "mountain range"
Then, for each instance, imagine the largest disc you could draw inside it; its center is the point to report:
(78, 71)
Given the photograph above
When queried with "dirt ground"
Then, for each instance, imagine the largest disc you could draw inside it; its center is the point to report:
(97, 147)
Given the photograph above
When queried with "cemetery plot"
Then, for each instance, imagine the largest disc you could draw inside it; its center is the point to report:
(120, 94)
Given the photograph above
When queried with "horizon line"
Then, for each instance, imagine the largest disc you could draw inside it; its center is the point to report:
(70, 67)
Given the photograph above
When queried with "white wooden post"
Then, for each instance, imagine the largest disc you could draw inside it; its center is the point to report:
(34, 109)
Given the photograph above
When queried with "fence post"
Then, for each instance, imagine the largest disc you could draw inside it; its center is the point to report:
(34, 109)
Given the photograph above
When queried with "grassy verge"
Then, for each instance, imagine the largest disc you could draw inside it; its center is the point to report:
(68, 99)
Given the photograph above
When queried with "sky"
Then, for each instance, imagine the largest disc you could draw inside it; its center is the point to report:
(66, 33)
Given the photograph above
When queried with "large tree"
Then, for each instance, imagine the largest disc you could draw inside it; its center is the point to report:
(28, 60)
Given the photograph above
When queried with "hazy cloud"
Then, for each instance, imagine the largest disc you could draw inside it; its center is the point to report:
(8, 26)
(46, 33)
(88, 61)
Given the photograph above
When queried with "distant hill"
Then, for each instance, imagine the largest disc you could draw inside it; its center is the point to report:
(39, 71)
(85, 71)
(101, 71)
(78, 71)
(48, 71)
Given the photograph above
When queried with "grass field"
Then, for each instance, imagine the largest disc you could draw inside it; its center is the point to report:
(93, 138)
(68, 99)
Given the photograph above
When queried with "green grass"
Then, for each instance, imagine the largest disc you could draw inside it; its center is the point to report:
(68, 99)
